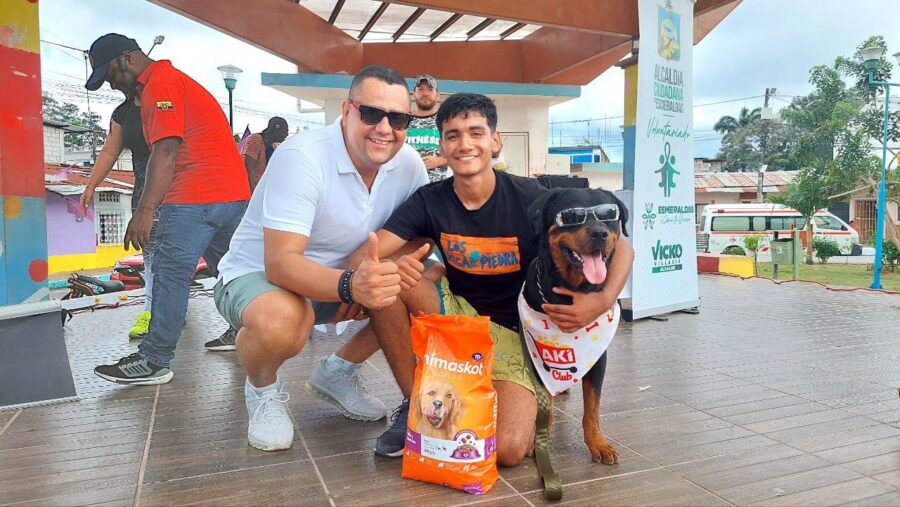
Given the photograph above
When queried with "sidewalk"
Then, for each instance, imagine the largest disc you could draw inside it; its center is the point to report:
(772, 395)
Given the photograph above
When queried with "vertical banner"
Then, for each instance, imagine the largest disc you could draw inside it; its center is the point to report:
(665, 264)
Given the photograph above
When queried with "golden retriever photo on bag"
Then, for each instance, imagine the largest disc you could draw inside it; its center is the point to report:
(439, 409)
(451, 433)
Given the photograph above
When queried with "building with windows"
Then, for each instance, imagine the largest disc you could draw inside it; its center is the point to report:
(77, 240)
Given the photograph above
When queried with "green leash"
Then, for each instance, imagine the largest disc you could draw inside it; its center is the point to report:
(552, 482)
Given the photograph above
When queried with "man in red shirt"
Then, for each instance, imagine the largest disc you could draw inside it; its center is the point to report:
(195, 176)
(258, 148)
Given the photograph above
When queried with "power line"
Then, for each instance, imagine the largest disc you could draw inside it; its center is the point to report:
(71, 91)
(82, 51)
(622, 116)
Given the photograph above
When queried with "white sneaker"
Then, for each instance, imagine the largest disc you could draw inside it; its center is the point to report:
(343, 388)
(271, 427)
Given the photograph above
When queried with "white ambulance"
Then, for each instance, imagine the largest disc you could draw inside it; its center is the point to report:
(728, 224)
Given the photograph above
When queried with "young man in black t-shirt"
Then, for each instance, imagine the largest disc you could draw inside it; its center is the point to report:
(125, 131)
(478, 219)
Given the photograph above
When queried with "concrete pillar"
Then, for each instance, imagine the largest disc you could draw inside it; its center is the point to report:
(332, 108)
(23, 225)
(628, 126)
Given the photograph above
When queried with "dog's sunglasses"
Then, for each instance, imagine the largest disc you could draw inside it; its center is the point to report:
(577, 216)
(372, 116)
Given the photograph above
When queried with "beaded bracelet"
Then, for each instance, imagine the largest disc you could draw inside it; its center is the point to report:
(345, 287)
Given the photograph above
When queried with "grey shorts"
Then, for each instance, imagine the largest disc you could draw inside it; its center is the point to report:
(232, 298)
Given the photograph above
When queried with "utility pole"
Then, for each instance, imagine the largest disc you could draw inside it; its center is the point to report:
(765, 115)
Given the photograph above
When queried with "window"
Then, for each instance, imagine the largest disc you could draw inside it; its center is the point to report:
(112, 228)
(784, 223)
(108, 197)
(828, 223)
(731, 224)
(759, 224)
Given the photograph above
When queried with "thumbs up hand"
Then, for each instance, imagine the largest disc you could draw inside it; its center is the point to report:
(372, 248)
(375, 284)
(411, 268)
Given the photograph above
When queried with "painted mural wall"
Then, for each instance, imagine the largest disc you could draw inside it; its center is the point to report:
(66, 234)
(23, 239)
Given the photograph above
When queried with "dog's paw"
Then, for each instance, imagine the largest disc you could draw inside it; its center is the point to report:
(602, 452)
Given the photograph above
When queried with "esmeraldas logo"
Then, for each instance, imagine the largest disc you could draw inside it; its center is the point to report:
(453, 366)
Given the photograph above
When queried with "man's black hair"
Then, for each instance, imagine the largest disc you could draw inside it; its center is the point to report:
(276, 122)
(464, 104)
(379, 72)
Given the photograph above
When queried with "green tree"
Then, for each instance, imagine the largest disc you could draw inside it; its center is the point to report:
(95, 137)
(826, 249)
(768, 142)
(752, 244)
(728, 124)
(872, 119)
(837, 125)
(821, 116)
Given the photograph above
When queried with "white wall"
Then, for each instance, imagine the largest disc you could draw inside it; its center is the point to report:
(515, 115)
(54, 145)
(531, 116)
(606, 181)
(332, 109)
(558, 164)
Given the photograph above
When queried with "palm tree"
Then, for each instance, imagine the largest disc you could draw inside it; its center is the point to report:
(728, 124)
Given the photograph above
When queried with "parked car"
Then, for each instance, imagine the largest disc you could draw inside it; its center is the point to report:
(130, 271)
(727, 224)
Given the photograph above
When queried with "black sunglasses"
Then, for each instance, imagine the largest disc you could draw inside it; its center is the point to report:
(577, 216)
(373, 116)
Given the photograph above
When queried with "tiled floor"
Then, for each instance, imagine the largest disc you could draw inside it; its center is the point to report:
(772, 395)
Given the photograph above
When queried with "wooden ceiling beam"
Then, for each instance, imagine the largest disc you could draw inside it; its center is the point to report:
(285, 29)
(444, 26)
(599, 16)
(334, 12)
(408, 23)
(412, 58)
(373, 20)
(573, 55)
(549, 51)
(706, 20)
(511, 30)
(479, 28)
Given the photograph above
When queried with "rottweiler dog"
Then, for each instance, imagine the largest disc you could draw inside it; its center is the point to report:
(578, 230)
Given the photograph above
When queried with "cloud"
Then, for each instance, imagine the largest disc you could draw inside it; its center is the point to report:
(193, 48)
(763, 43)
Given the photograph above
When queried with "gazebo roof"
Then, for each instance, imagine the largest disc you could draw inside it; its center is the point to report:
(567, 42)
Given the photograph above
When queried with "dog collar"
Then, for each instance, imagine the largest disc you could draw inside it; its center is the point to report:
(562, 359)
(539, 279)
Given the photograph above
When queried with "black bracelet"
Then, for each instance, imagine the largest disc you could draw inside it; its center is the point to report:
(345, 287)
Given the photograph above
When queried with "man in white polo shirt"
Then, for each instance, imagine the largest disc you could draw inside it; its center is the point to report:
(323, 194)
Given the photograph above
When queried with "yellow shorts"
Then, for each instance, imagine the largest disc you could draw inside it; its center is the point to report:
(510, 359)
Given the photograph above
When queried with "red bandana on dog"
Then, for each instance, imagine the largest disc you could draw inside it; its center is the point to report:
(562, 359)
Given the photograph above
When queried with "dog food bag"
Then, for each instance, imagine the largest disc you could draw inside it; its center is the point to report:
(451, 434)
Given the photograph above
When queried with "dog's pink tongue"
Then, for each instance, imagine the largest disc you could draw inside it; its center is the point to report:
(594, 268)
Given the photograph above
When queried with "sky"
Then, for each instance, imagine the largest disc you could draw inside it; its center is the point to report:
(762, 43)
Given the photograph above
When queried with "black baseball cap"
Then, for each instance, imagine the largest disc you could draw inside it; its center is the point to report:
(103, 51)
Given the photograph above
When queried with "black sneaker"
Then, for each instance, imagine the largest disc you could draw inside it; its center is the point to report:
(135, 370)
(223, 343)
(390, 443)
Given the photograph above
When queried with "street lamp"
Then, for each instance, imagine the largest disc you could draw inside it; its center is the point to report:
(156, 42)
(871, 56)
(230, 75)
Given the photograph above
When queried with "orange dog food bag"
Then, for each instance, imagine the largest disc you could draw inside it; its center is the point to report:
(451, 434)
